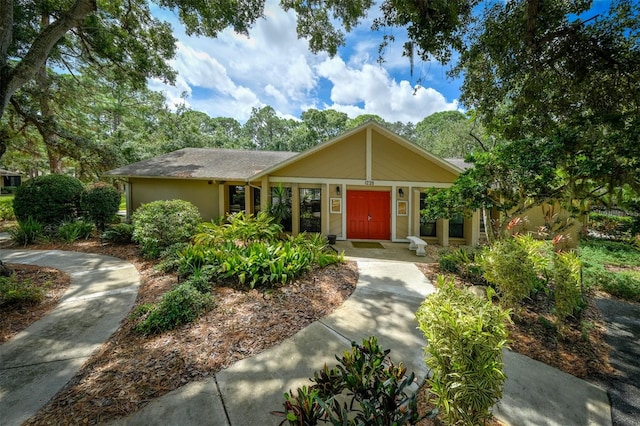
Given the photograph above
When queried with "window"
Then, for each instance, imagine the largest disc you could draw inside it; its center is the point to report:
(310, 210)
(236, 198)
(456, 226)
(427, 226)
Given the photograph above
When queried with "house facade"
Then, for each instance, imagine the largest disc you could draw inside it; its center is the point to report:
(367, 184)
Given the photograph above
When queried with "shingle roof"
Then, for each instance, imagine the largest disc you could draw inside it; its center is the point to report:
(459, 163)
(205, 163)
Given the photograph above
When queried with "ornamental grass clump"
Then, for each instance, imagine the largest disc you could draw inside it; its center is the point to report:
(465, 337)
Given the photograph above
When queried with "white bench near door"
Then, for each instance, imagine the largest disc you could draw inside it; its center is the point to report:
(417, 244)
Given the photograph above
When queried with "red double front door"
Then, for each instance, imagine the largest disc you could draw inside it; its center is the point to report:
(368, 215)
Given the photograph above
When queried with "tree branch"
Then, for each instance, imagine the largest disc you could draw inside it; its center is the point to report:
(40, 49)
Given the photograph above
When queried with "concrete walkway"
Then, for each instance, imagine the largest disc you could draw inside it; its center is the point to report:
(40, 360)
(623, 335)
(384, 304)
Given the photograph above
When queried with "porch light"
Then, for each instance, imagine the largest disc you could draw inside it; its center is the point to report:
(401, 192)
(338, 190)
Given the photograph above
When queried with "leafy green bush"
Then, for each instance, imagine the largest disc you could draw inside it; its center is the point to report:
(6, 208)
(462, 261)
(249, 249)
(14, 292)
(121, 233)
(624, 285)
(49, 199)
(465, 337)
(376, 387)
(100, 202)
(27, 232)
(180, 305)
(240, 227)
(74, 230)
(161, 224)
(509, 265)
(568, 285)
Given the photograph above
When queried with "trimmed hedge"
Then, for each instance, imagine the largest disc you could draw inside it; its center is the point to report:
(100, 203)
(49, 199)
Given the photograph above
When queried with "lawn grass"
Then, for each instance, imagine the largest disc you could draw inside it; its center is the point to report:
(612, 266)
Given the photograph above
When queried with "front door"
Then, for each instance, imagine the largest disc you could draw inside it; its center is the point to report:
(368, 215)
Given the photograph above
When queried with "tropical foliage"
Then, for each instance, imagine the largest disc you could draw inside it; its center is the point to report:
(230, 250)
(365, 388)
(466, 336)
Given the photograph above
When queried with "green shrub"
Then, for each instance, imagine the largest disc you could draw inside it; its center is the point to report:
(100, 202)
(240, 227)
(508, 264)
(448, 262)
(625, 285)
(180, 305)
(465, 337)
(568, 285)
(74, 230)
(376, 387)
(161, 224)
(6, 208)
(15, 293)
(49, 199)
(256, 263)
(27, 232)
(121, 233)
(462, 261)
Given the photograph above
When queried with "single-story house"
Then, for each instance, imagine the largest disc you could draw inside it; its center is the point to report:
(366, 184)
(10, 180)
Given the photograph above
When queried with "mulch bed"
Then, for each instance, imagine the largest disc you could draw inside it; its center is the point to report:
(17, 318)
(579, 350)
(130, 370)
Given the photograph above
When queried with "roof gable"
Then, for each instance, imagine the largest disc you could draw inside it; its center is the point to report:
(344, 160)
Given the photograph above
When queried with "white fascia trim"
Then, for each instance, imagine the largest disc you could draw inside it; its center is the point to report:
(359, 182)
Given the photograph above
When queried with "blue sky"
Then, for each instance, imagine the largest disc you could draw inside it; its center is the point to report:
(229, 75)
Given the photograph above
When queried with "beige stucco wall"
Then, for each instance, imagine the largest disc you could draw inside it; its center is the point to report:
(538, 216)
(391, 162)
(201, 193)
(345, 160)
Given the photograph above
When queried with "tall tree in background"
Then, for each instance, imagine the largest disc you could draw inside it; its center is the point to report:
(38, 34)
(451, 134)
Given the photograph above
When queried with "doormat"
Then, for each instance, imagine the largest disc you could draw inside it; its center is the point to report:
(366, 244)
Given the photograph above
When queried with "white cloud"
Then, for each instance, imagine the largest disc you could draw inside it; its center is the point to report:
(233, 73)
(372, 87)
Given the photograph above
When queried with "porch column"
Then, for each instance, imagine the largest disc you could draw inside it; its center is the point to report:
(325, 219)
(222, 199)
(265, 194)
(295, 209)
(248, 200)
(472, 229)
(442, 230)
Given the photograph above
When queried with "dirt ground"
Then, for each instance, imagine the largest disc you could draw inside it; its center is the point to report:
(130, 370)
